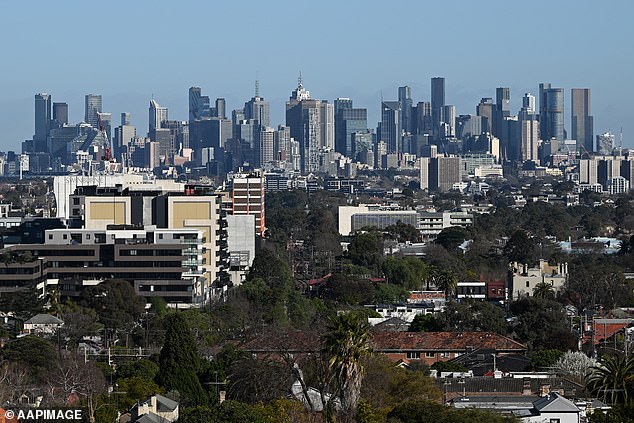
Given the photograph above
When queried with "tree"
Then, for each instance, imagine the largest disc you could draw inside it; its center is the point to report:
(542, 323)
(403, 232)
(115, 302)
(179, 361)
(574, 364)
(544, 358)
(24, 303)
(472, 315)
(450, 238)
(544, 290)
(424, 323)
(445, 280)
(36, 354)
(520, 248)
(346, 343)
(423, 411)
(136, 389)
(366, 249)
(78, 324)
(612, 379)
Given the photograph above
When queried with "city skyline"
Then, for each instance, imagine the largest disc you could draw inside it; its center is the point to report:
(127, 70)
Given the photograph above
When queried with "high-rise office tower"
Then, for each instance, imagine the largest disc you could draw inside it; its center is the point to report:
(528, 103)
(486, 109)
(529, 139)
(422, 121)
(221, 106)
(42, 121)
(266, 146)
(60, 114)
(582, 123)
(123, 135)
(502, 110)
(157, 115)
(258, 109)
(437, 100)
(449, 120)
(199, 105)
(552, 120)
(92, 110)
(327, 122)
(348, 120)
(303, 116)
(405, 98)
(391, 125)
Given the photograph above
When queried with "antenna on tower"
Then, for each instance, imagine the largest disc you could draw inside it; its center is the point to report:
(257, 88)
(381, 96)
(621, 141)
(300, 81)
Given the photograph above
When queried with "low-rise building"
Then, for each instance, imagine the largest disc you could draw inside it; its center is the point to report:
(523, 279)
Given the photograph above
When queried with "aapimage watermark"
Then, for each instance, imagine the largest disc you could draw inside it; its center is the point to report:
(44, 414)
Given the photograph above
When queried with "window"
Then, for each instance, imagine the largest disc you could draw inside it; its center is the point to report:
(413, 355)
(528, 284)
(50, 236)
(160, 236)
(444, 355)
(555, 420)
(430, 354)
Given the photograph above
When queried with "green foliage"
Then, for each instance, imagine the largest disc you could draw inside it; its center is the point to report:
(424, 323)
(618, 414)
(472, 315)
(115, 302)
(407, 272)
(346, 343)
(612, 380)
(386, 385)
(36, 354)
(387, 293)
(77, 324)
(450, 238)
(403, 232)
(424, 411)
(520, 248)
(136, 389)
(542, 324)
(142, 368)
(159, 306)
(348, 290)
(179, 361)
(25, 304)
(597, 281)
(366, 249)
(541, 359)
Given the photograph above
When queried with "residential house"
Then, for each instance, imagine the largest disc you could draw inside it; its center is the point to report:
(523, 279)
(42, 324)
(552, 408)
(155, 409)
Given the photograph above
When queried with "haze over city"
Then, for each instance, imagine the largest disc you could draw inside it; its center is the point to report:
(129, 52)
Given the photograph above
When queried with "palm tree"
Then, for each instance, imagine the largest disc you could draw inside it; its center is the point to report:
(613, 379)
(544, 290)
(346, 343)
(446, 280)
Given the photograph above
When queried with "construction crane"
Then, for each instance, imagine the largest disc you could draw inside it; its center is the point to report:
(108, 154)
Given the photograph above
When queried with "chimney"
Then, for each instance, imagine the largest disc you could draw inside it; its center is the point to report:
(526, 386)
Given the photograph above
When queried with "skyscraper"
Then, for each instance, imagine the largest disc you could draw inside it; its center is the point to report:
(303, 116)
(258, 109)
(42, 121)
(348, 121)
(221, 106)
(157, 115)
(582, 123)
(60, 113)
(92, 110)
(199, 105)
(486, 109)
(437, 101)
(391, 125)
(551, 114)
(405, 98)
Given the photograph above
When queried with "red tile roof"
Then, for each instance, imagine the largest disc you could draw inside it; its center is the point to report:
(443, 341)
(306, 341)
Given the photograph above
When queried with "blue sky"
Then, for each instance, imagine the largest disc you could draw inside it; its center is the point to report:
(130, 50)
